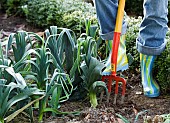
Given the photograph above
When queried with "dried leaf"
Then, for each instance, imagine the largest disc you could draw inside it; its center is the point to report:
(148, 119)
(158, 119)
(135, 110)
(87, 117)
(40, 34)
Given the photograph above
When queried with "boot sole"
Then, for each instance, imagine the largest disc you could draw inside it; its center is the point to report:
(152, 95)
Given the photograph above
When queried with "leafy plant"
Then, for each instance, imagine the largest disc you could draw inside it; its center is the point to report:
(63, 45)
(58, 89)
(19, 44)
(18, 57)
(62, 42)
(3, 61)
(91, 77)
(45, 12)
(15, 6)
(162, 65)
(13, 93)
(166, 118)
(13, 115)
(62, 13)
(91, 68)
(131, 35)
(40, 67)
(66, 51)
(134, 7)
(6, 102)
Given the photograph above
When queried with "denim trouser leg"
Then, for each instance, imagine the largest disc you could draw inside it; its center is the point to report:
(151, 39)
(106, 15)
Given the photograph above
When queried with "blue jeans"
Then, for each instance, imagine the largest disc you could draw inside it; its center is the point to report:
(151, 39)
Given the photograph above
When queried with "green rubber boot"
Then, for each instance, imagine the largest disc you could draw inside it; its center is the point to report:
(122, 62)
(150, 86)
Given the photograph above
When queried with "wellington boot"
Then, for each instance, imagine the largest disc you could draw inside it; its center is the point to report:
(150, 86)
(122, 62)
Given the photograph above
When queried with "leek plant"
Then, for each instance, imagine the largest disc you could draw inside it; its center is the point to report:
(57, 66)
(59, 87)
(61, 43)
(91, 77)
(12, 95)
(91, 68)
(3, 62)
(7, 101)
(8, 73)
(57, 90)
(18, 50)
(40, 67)
(33, 63)
(19, 42)
(71, 53)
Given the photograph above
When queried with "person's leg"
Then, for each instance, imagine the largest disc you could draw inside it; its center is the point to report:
(151, 41)
(150, 86)
(122, 61)
(106, 14)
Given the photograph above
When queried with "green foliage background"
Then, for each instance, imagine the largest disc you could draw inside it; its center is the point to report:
(134, 7)
(62, 13)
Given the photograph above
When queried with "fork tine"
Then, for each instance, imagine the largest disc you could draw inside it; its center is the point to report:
(101, 96)
(116, 89)
(123, 89)
(118, 79)
(109, 86)
(108, 97)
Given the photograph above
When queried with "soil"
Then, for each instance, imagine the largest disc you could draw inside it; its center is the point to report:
(135, 102)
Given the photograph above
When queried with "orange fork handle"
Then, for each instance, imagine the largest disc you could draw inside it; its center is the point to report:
(117, 33)
(115, 46)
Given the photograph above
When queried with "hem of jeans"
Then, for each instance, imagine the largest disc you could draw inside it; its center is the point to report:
(109, 35)
(150, 50)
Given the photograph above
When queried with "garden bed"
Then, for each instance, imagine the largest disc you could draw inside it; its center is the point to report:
(134, 103)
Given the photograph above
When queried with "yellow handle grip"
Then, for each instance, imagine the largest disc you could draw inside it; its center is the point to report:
(120, 14)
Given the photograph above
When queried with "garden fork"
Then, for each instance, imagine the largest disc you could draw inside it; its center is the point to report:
(115, 45)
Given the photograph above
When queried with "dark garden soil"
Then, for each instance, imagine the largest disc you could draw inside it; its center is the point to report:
(135, 103)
